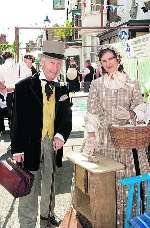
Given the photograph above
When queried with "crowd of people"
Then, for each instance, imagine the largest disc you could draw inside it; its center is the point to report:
(38, 107)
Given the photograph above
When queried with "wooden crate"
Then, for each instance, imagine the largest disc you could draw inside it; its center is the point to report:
(95, 190)
(81, 179)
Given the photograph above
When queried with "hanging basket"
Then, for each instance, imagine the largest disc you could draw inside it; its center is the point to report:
(129, 137)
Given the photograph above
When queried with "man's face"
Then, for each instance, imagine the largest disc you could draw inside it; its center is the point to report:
(51, 67)
(87, 64)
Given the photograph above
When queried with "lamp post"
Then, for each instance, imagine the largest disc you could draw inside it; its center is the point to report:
(46, 23)
(17, 43)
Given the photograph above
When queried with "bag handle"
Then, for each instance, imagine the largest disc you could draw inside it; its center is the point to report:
(13, 163)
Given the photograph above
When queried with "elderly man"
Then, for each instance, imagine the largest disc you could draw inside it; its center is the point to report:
(42, 124)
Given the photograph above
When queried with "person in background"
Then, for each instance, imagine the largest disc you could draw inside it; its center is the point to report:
(3, 107)
(9, 76)
(88, 75)
(1, 60)
(29, 60)
(112, 99)
(42, 124)
(73, 78)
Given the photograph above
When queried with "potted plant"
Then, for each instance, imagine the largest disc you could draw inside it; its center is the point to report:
(65, 32)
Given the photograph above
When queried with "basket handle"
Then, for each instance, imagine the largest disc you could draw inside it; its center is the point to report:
(133, 117)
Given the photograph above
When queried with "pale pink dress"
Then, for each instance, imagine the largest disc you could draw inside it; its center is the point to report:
(103, 101)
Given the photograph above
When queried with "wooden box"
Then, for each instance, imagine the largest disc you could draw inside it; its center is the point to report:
(95, 190)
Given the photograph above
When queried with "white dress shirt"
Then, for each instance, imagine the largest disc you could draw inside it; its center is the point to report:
(9, 73)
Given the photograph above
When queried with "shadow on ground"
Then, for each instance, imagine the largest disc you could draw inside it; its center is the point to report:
(9, 214)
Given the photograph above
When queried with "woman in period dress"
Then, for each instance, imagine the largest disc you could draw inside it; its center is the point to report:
(112, 99)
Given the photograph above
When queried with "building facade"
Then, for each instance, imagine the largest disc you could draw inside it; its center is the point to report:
(134, 14)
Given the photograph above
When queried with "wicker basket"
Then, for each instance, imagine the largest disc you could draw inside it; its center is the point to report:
(129, 137)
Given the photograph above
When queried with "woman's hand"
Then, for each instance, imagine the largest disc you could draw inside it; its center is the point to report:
(133, 117)
(91, 144)
(122, 114)
(132, 114)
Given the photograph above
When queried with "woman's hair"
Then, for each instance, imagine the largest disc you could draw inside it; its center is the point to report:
(7, 55)
(31, 57)
(115, 54)
(73, 65)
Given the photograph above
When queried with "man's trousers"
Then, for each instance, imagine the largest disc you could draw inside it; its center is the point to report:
(28, 205)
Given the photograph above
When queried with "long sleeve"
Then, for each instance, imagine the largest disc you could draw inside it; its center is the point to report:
(94, 109)
(17, 136)
(63, 121)
(136, 96)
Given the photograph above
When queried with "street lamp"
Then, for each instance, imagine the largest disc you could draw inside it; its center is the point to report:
(46, 23)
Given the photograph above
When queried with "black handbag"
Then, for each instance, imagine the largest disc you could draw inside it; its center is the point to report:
(15, 179)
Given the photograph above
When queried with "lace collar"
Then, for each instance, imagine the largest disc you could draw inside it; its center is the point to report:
(115, 81)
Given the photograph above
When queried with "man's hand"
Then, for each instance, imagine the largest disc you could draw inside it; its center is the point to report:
(2, 85)
(10, 90)
(19, 157)
(57, 143)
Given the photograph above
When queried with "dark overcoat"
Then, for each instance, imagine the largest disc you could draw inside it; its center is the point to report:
(28, 120)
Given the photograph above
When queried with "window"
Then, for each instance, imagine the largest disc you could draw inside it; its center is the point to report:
(93, 49)
(58, 4)
(77, 22)
(95, 5)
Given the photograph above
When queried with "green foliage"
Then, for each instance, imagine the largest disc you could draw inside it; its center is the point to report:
(8, 47)
(65, 32)
(146, 93)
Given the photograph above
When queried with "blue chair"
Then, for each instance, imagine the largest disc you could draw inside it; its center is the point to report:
(142, 220)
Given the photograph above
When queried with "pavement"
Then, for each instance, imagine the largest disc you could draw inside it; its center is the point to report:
(9, 205)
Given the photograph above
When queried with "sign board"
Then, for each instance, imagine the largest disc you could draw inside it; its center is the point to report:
(138, 47)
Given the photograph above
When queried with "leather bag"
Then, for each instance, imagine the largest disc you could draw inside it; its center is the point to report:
(70, 220)
(15, 179)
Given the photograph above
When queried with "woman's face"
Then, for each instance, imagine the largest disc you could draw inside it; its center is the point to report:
(28, 62)
(109, 62)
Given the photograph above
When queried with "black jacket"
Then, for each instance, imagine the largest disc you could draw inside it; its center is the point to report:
(28, 120)
(89, 77)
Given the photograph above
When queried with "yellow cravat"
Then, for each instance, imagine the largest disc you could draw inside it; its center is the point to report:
(48, 114)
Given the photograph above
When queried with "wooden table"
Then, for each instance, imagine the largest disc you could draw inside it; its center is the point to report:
(95, 190)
